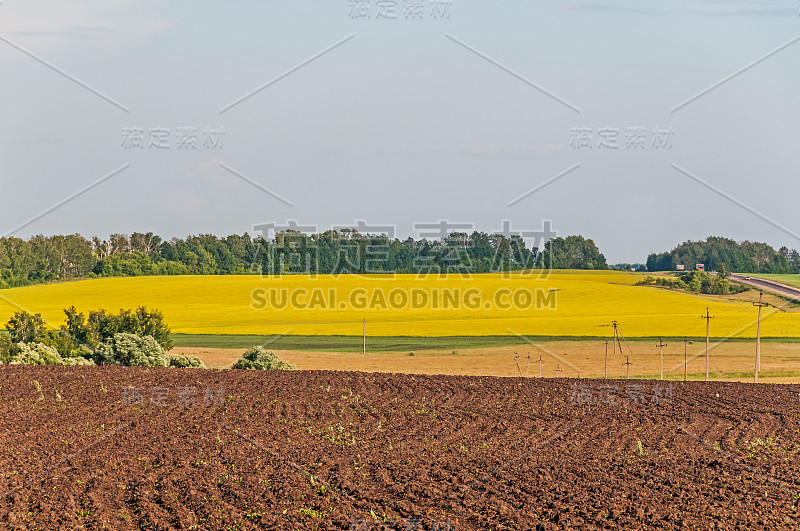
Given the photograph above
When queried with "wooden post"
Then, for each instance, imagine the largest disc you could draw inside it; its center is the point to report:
(685, 358)
(627, 367)
(614, 324)
(364, 350)
(661, 346)
(528, 368)
(708, 318)
(557, 370)
(540, 365)
(605, 368)
(758, 336)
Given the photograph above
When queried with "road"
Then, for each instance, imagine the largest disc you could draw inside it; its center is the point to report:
(768, 285)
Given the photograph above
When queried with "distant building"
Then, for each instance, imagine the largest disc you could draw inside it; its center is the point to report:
(681, 267)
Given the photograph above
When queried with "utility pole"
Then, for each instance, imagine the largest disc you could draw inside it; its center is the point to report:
(685, 358)
(528, 368)
(558, 370)
(661, 346)
(617, 341)
(615, 325)
(364, 349)
(758, 335)
(540, 365)
(617, 336)
(516, 365)
(605, 368)
(708, 318)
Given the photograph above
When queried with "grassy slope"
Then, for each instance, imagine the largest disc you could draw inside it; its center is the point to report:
(399, 343)
(342, 343)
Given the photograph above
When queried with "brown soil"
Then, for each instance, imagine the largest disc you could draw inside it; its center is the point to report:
(345, 450)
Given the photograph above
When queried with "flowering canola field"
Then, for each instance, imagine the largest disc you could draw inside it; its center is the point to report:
(563, 303)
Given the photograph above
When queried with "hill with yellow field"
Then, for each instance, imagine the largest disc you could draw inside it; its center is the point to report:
(560, 303)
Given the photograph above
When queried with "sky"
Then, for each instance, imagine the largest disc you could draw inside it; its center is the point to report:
(637, 124)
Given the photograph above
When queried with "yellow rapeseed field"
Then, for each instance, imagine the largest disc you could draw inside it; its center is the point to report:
(564, 303)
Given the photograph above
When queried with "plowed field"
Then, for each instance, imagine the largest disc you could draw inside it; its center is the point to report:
(132, 448)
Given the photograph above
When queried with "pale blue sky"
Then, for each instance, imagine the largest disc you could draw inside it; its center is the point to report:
(401, 124)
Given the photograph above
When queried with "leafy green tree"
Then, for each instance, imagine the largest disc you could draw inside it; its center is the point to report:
(7, 347)
(25, 327)
(152, 323)
(102, 325)
(75, 325)
(65, 344)
(572, 252)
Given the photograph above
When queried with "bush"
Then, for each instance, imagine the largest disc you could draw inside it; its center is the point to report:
(696, 282)
(41, 354)
(35, 354)
(79, 360)
(65, 344)
(7, 347)
(132, 350)
(262, 359)
(185, 361)
(100, 326)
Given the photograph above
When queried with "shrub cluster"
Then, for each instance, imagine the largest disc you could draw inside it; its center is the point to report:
(185, 361)
(133, 338)
(696, 282)
(41, 354)
(262, 359)
(130, 349)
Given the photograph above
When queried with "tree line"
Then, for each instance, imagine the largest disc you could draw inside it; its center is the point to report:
(63, 257)
(716, 252)
(53, 258)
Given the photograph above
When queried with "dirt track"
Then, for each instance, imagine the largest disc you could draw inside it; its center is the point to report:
(325, 450)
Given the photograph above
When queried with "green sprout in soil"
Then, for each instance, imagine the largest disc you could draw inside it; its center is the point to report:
(313, 513)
